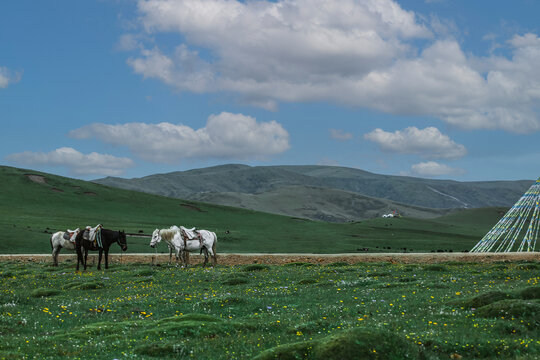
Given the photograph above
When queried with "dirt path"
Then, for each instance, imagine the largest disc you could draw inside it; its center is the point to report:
(279, 259)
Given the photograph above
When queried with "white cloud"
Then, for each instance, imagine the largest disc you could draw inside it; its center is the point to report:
(225, 136)
(128, 42)
(428, 143)
(359, 53)
(77, 162)
(340, 135)
(485, 93)
(325, 41)
(184, 70)
(433, 169)
(8, 77)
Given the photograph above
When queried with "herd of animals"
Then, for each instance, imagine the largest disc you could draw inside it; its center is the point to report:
(180, 240)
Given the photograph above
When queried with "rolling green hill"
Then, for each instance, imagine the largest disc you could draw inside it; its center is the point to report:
(271, 188)
(34, 204)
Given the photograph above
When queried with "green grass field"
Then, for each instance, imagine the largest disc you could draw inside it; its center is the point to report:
(296, 311)
(30, 211)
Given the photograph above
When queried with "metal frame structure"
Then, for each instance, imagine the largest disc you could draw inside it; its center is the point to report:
(505, 235)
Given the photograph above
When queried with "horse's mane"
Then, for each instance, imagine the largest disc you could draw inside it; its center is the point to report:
(167, 234)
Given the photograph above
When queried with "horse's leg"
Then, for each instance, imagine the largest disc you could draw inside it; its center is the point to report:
(214, 246)
(106, 259)
(205, 256)
(79, 257)
(212, 252)
(85, 257)
(187, 255)
(55, 252)
(99, 259)
(213, 255)
(183, 256)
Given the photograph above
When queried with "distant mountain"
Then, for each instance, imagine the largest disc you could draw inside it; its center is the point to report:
(326, 193)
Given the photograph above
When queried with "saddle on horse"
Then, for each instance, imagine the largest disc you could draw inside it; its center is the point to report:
(191, 234)
(93, 234)
(71, 234)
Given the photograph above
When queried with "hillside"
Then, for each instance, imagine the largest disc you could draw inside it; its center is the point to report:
(317, 204)
(36, 204)
(341, 195)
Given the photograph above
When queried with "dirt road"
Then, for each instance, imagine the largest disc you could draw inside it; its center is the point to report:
(279, 259)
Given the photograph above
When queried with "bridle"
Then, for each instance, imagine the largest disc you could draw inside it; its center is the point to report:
(119, 242)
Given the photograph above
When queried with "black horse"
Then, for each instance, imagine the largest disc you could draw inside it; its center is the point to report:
(107, 238)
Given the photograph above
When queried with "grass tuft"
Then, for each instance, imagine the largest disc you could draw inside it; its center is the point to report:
(158, 350)
(484, 299)
(92, 285)
(236, 280)
(7, 274)
(44, 292)
(355, 343)
(522, 309)
(144, 272)
(307, 281)
(256, 267)
(338, 264)
(299, 263)
(191, 317)
(528, 266)
(435, 268)
(10, 355)
(532, 292)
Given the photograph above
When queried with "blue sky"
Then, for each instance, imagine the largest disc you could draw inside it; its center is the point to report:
(429, 88)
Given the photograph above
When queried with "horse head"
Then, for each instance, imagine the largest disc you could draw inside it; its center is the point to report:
(155, 238)
(122, 241)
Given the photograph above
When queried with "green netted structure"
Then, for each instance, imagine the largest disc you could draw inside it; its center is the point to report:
(518, 229)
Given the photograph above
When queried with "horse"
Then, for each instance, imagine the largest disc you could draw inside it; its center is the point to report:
(173, 237)
(168, 235)
(58, 242)
(107, 238)
(171, 247)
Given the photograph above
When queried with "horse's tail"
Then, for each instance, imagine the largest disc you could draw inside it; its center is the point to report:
(50, 239)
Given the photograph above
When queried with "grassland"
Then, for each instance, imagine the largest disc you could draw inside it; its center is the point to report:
(299, 311)
(31, 210)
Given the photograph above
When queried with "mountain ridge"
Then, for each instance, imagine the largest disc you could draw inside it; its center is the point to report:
(258, 187)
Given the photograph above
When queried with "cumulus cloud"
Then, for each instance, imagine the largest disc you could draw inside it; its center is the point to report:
(325, 41)
(8, 77)
(340, 135)
(77, 162)
(225, 136)
(470, 93)
(428, 143)
(433, 169)
(360, 53)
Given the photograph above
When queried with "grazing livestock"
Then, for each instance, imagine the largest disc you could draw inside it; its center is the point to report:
(59, 241)
(108, 237)
(176, 239)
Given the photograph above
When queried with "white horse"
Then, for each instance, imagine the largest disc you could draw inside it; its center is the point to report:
(173, 237)
(58, 242)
